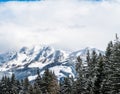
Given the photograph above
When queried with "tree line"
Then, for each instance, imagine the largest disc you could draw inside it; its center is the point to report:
(47, 84)
(101, 75)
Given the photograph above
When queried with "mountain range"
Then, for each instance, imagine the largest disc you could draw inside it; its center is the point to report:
(25, 62)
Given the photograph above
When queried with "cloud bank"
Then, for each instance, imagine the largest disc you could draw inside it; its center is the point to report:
(63, 24)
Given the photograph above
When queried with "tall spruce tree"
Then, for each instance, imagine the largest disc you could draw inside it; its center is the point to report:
(50, 85)
(109, 50)
(26, 85)
(92, 72)
(3, 86)
(39, 83)
(100, 75)
(81, 80)
(107, 68)
(14, 85)
(66, 86)
(111, 84)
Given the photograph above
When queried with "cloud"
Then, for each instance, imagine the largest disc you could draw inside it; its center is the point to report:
(64, 24)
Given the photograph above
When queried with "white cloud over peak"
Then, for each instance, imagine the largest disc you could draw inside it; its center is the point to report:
(64, 24)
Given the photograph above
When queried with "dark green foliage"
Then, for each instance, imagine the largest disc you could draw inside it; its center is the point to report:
(90, 77)
(47, 84)
(66, 86)
(100, 75)
(92, 72)
(25, 85)
(109, 49)
(50, 82)
(111, 84)
(34, 90)
(80, 83)
(9, 85)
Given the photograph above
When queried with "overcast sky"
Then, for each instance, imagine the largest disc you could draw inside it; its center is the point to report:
(63, 24)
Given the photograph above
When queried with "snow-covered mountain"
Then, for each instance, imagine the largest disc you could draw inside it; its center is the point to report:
(83, 52)
(26, 61)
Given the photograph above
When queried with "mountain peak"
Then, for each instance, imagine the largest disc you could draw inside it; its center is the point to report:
(27, 60)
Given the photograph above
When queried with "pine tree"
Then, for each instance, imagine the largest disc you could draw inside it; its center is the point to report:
(66, 86)
(115, 68)
(26, 84)
(30, 90)
(80, 83)
(109, 50)
(39, 83)
(9, 85)
(36, 90)
(100, 75)
(50, 82)
(38, 80)
(92, 72)
(14, 85)
(107, 68)
(111, 84)
(3, 85)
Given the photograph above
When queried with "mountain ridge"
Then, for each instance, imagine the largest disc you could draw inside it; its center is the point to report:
(26, 61)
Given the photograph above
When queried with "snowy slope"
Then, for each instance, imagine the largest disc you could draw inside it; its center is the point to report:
(26, 61)
(83, 52)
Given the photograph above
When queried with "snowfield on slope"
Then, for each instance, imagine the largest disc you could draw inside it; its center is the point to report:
(26, 61)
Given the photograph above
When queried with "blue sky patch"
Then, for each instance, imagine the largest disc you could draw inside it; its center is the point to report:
(17, 0)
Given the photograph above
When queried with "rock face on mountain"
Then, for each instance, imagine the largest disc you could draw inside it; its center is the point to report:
(26, 61)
